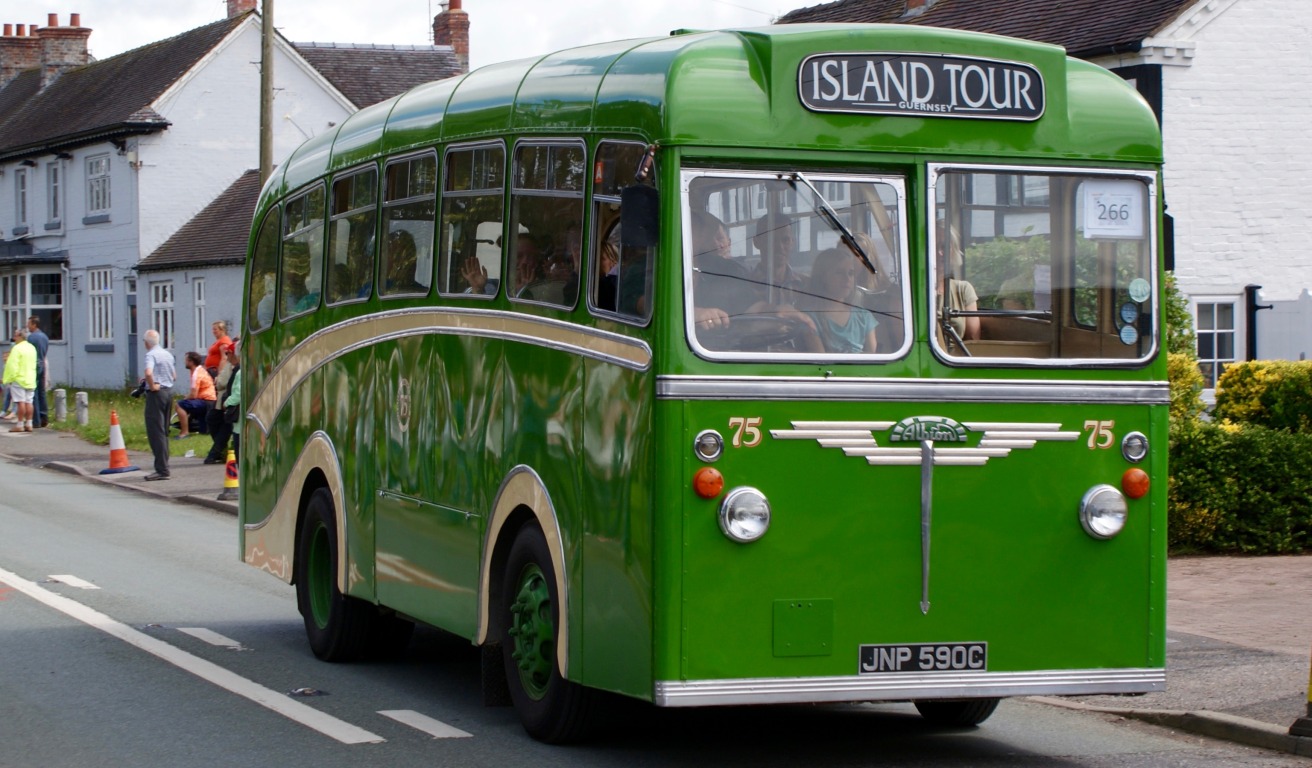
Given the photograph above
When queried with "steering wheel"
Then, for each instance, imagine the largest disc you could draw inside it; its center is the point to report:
(755, 333)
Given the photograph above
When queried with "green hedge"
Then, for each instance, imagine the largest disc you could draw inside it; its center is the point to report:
(1239, 489)
(1276, 394)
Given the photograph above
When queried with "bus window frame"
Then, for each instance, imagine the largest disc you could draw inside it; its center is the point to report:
(599, 237)
(583, 195)
(381, 235)
(332, 217)
(934, 171)
(442, 252)
(275, 211)
(897, 181)
(322, 223)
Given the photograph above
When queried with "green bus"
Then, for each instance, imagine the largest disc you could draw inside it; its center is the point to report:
(794, 364)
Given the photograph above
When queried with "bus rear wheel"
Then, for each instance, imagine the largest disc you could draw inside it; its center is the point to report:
(957, 712)
(552, 709)
(337, 626)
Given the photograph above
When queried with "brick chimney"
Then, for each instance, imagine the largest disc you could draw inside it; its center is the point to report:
(19, 52)
(62, 48)
(238, 7)
(917, 7)
(451, 27)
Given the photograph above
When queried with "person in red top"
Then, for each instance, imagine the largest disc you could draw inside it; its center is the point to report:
(199, 401)
(214, 358)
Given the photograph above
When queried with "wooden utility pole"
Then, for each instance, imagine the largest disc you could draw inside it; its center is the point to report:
(266, 92)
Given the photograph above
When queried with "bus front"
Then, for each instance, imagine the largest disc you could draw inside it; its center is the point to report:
(916, 415)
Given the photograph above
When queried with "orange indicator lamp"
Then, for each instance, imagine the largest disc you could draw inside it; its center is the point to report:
(1135, 483)
(708, 482)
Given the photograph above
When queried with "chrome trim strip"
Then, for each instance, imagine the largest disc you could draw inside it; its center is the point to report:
(897, 687)
(672, 387)
(330, 343)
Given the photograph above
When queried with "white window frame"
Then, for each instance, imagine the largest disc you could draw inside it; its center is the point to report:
(198, 299)
(21, 185)
(100, 299)
(54, 192)
(161, 312)
(18, 303)
(13, 296)
(98, 185)
(1236, 334)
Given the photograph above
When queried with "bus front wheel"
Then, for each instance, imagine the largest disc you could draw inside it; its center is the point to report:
(957, 712)
(337, 625)
(552, 709)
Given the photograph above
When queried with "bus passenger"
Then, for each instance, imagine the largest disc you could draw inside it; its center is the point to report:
(475, 274)
(402, 256)
(844, 326)
(775, 279)
(528, 266)
(720, 284)
(608, 279)
(959, 294)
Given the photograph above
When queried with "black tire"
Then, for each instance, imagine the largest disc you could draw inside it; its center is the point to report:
(551, 708)
(337, 626)
(957, 712)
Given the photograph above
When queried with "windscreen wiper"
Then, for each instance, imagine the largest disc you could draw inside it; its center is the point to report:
(826, 210)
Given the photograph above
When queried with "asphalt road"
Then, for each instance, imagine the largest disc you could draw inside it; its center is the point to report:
(130, 634)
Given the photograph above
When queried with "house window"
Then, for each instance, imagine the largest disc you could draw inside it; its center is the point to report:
(20, 198)
(98, 184)
(13, 293)
(54, 193)
(34, 293)
(198, 301)
(101, 292)
(1216, 339)
(161, 312)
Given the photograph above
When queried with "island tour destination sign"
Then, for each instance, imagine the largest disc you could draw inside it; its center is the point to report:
(921, 85)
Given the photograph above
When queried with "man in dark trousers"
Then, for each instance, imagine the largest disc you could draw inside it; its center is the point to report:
(37, 338)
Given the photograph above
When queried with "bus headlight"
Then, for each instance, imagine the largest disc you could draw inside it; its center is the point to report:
(1103, 511)
(745, 514)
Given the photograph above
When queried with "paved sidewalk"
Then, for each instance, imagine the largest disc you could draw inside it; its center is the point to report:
(1239, 629)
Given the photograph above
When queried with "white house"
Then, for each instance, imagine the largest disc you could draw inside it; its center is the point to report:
(103, 163)
(1228, 80)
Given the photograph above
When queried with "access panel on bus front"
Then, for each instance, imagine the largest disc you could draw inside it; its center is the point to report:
(873, 537)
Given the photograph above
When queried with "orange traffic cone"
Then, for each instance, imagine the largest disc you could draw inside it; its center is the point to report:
(118, 452)
(230, 484)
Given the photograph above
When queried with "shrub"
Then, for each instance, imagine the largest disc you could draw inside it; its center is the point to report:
(1186, 387)
(1239, 489)
(1276, 394)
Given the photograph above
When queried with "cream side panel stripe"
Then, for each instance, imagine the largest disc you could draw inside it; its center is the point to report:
(330, 343)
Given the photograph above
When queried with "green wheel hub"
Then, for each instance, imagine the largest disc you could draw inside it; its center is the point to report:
(320, 577)
(533, 631)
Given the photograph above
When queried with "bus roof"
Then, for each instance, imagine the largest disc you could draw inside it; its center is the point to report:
(740, 89)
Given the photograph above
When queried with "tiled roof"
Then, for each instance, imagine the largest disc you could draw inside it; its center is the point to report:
(216, 236)
(1085, 28)
(104, 97)
(368, 74)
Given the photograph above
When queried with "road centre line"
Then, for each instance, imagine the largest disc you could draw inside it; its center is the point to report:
(435, 728)
(73, 581)
(326, 724)
(210, 636)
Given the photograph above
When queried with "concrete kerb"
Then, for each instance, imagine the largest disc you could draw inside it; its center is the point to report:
(1216, 725)
(150, 490)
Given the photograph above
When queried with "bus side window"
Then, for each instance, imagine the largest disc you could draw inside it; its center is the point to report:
(620, 274)
(547, 221)
(302, 253)
(409, 205)
(473, 209)
(264, 267)
(351, 236)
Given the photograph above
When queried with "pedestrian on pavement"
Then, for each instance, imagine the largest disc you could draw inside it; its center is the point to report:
(199, 400)
(220, 428)
(160, 376)
(38, 339)
(20, 378)
(232, 404)
(215, 357)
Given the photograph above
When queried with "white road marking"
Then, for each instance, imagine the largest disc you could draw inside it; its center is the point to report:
(435, 728)
(73, 581)
(278, 702)
(211, 637)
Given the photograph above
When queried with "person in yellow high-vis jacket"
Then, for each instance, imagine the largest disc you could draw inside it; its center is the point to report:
(20, 378)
